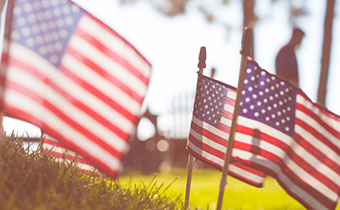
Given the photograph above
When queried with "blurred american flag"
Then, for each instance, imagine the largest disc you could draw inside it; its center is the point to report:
(74, 77)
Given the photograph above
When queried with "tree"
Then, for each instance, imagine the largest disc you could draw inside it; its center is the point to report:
(326, 52)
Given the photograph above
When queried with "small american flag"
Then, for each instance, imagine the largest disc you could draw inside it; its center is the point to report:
(283, 133)
(209, 132)
(74, 77)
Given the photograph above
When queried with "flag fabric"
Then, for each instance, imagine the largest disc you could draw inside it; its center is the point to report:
(283, 133)
(209, 132)
(74, 77)
(59, 151)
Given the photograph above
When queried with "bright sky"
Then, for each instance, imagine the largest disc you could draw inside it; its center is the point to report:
(172, 46)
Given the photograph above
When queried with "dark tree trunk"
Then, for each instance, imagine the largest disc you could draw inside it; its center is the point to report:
(326, 51)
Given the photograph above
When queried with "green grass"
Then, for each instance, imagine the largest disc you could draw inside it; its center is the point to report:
(205, 187)
(34, 181)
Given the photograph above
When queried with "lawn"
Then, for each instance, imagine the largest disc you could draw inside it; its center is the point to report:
(205, 187)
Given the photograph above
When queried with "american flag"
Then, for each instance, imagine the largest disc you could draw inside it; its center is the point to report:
(209, 132)
(283, 133)
(59, 151)
(74, 77)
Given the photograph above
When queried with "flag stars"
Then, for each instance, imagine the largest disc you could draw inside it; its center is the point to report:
(211, 97)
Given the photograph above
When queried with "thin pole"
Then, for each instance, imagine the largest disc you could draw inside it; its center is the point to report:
(189, 176)
(201, 65)
(2, 4)
(246, 50)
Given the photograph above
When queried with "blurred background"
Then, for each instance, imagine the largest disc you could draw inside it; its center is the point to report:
(169, 33)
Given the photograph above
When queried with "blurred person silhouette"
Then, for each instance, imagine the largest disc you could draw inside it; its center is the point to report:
(286, 63)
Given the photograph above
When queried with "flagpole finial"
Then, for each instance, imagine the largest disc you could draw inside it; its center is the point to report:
(247, 42)
(201, 59)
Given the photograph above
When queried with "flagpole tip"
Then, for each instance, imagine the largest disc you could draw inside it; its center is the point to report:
(202, 57)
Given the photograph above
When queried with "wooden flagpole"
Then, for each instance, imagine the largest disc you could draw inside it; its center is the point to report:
(201, 65)
(2, 11)
(246, 50)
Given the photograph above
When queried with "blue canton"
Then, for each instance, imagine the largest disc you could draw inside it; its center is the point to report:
(45, 26)
(268, 99)
(209, 101)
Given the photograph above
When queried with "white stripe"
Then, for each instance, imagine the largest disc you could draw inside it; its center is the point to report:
(105, 86)
(329, 121)
(115, 44)
(71, 88)
(206, 126)
(295, 168)
(303, 195)
(314, 124)
(33, 84)
(207, 141)
(226, 121)
(231, 94)
(246, 174)
(108, 64)
(229, 108)
(28, 105)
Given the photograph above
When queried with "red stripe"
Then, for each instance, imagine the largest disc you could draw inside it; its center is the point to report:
(15, 112)
(70, 122)
(210, 135)
(53, 142)
(105, 75)
(112, 55)
(77, 103)
(289, 152)
(114, 33)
